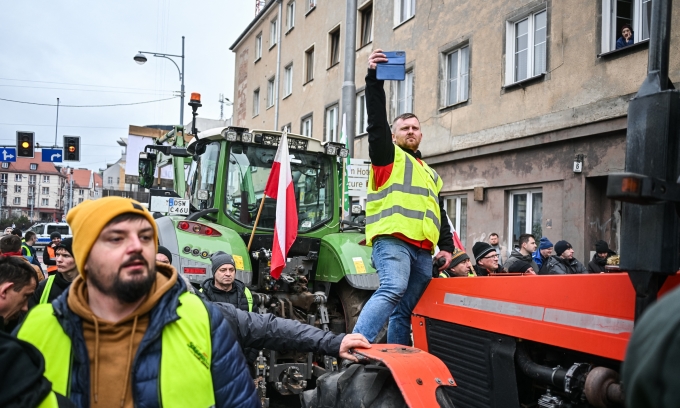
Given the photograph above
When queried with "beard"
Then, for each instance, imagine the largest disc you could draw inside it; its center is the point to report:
(128, 291)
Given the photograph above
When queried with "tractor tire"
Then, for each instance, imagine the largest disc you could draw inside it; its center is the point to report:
(353, 301)
(366, 386)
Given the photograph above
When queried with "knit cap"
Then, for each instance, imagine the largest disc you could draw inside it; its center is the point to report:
(220, 258)
(480, 249)
(561, 246)
(521, 266)
(54, 235)
(165, 251)
(457, 257)
(67, 244)
(88, 219)
(545, 243)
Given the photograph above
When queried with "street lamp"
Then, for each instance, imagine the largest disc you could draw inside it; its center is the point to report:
(140, 58)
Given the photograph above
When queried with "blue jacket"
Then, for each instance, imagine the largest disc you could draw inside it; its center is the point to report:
(621, 42)
(538, 259)
(231, 381)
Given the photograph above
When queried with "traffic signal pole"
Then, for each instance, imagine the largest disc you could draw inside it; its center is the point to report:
(650, 227)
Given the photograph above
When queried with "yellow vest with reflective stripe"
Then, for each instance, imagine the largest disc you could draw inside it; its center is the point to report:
(408, 203)
(185, 379)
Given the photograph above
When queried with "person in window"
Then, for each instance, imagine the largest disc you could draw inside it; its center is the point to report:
(626, 38)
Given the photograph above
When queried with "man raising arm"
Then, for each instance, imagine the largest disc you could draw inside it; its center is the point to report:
(405, 219)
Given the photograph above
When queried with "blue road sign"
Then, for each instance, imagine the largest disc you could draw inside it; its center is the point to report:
(52, 155)
(8, 154)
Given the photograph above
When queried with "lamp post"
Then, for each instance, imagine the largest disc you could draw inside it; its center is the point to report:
(140, 58)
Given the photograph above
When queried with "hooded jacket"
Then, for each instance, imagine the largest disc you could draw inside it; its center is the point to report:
(597, 264)
(556, 265)
(236, 296)
(517, 257)
(98, 372)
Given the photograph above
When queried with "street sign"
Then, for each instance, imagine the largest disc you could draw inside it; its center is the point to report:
(52, 155)
(9, 154)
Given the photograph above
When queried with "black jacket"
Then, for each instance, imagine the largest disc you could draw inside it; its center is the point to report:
(58, 287)
(556, 265)
(515, 258)
(266, 331)
(597, 264)
(236, 296)
(46, 257)
(22, 381)
(381, 148)
(483, 271)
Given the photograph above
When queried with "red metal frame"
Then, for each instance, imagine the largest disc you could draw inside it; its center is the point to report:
(417, 373)
(602, 297)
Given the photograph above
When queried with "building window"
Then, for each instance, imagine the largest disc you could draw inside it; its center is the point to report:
(306, 126)
(17, 201)
(34, 166)
(362, 116)
(290, 16)
(272, 31)
(403, 10)
(331, 133)
(286, 128)
(258, 47)
(81, 192)
(46, 179)
(457, 76)
(80, 200)
(31, 179)
(109, 180)
(270, 92)
(17, 177)
(45, 202)
(366, 34)
(309, 64)
(311, 4)
(405, 94)
(288, 80)
(31, 190)
(5, 165)
(334, 47)
(616, 14)
(526, 215)
(3, 178)
(456, 209)
(45, 190)
(17, 188)
(117, 180)
(256, 102)
(526, 47)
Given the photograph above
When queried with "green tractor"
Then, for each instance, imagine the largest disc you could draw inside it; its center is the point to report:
(222, 174)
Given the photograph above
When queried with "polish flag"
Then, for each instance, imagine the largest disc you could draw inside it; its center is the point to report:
(456, 239)
(280, 187)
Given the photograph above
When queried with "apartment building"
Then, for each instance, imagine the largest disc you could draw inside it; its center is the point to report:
(31, 188)
(87, 185)
(523, 104)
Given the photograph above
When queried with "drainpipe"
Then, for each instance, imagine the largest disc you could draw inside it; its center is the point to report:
(278, 66)
(349, 88)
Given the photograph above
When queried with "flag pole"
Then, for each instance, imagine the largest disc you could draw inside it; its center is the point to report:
(344, 164)
(257, 219)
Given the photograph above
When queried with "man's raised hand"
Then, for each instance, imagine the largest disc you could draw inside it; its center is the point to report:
(376, 57)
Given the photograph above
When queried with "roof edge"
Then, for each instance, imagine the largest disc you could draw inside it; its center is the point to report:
(253, 23)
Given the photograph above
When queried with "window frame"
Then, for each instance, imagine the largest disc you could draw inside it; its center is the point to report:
(258, 46)
(327, 136)
(46, 179)
(34, 166)
(398, 11)
(288, 80)
(273, 32)
(271, 85)
(256, 102)
(334, 44)
(307, 118)
(5, 165)
(510, 37)
(309, 71)
(290, 16)
(408, 85)
(445, 88)
(458, 220)
(609, 33)
(311, 5)
(529, 212)
(17, 201)
(45, 190)
(361, 114)
(4, 177)
(17, 177)
(17, 188)
(365, 25)
(45, 202)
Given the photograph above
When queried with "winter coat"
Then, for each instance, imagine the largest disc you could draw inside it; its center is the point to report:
(597, 264)
(516, 257)
(556, 265)
(236, 296)
(485, 272)
(232, 384)
(58, 287)
(266, 331)
(622, 43)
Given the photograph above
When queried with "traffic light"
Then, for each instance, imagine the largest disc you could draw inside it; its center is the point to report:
(25, 144)
(71, 148)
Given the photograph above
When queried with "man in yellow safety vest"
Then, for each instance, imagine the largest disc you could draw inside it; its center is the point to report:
(405, 219)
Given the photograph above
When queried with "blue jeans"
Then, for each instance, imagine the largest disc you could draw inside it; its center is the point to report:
(404, 271)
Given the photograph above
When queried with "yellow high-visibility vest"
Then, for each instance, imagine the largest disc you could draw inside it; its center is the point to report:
(408, 203)
(185, 377)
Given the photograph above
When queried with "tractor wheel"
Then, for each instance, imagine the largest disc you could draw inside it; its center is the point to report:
(353, 301)
(368, 386)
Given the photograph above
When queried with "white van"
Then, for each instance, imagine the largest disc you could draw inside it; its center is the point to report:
(43, 231)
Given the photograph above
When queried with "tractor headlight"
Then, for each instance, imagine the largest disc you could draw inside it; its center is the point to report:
(231, 136)
(247, 137)
(330, 149)
(342, 152)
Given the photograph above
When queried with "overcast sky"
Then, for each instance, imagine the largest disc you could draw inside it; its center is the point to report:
(81, 52)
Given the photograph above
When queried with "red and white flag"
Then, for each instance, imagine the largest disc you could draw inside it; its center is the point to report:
(280, 187)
